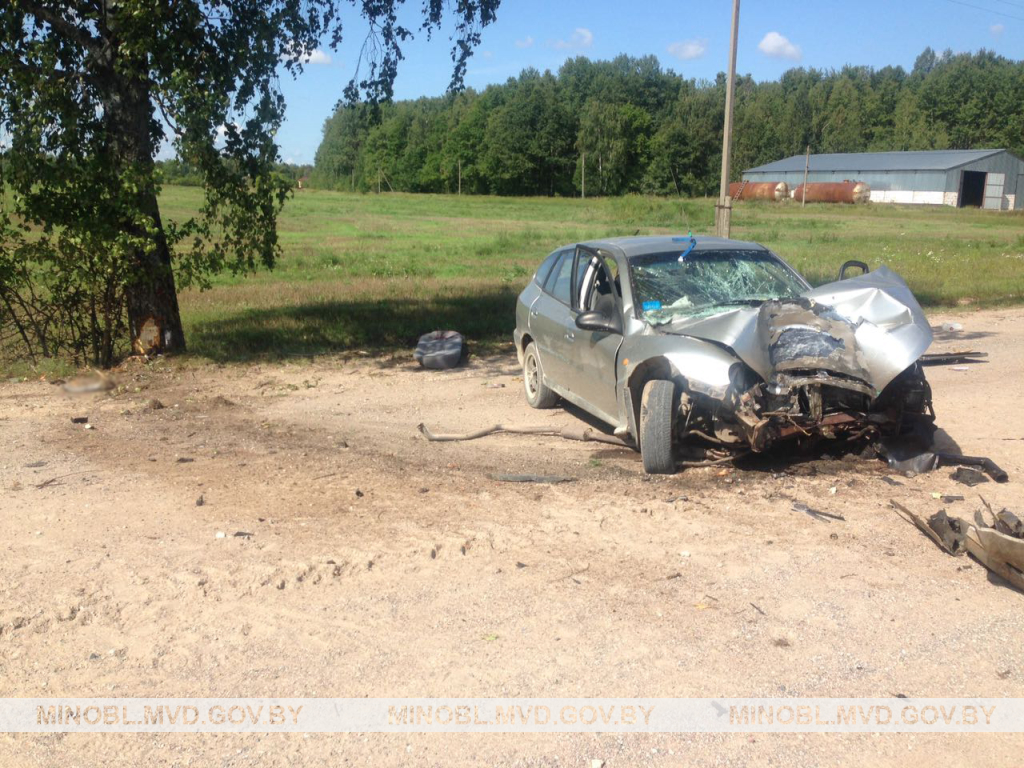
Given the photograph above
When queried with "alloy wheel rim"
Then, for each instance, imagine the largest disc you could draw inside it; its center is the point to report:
(531, 374)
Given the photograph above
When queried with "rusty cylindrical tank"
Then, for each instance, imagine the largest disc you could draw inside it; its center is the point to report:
(773, 191)
(834, 192)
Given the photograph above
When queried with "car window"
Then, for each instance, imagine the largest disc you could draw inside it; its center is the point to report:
(599, 286)
(559, 282)
(545, 268)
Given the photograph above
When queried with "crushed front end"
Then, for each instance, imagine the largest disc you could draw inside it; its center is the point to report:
(839, 362)
(812, 404)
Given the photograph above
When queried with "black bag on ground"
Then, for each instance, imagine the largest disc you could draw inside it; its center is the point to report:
(440, 349)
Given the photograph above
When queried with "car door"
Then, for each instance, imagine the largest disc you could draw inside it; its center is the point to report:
(552, 324)
(594, 354)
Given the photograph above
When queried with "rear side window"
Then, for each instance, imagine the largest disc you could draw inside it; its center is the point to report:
(545, 269)
(559, 282)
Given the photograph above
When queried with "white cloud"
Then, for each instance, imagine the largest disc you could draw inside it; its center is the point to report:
(316, 56)
(487, 54)
(778, 47)
(527, 42)
(688, 49)
(580, 38)
(997, 30)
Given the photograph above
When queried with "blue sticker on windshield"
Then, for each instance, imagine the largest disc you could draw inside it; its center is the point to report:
(651, 305)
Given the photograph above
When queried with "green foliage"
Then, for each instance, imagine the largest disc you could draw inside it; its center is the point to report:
(644, 129)
(90, 90)
(376, 271)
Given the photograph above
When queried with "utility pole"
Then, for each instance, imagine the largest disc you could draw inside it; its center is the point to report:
(807, 169)
(460, 177)
(723, 210)
(584, 176)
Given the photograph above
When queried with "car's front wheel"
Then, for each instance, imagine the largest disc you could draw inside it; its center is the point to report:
(657, 420)
(537, 394)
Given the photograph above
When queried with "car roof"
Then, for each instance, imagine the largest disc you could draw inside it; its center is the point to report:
(631, 247)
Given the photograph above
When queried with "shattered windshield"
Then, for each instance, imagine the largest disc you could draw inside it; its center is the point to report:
(666, 286)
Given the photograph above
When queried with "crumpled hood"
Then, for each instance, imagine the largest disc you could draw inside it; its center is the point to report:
(869, 327)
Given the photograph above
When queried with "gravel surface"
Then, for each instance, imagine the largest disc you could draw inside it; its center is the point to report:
(382, 565)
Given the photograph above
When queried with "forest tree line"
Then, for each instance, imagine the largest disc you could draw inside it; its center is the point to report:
(644, 129)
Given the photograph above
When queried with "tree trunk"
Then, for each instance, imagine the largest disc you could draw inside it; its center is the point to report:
(154, 321)
(152, 299)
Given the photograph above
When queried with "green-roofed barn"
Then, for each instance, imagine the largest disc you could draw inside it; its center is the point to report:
(984, 178)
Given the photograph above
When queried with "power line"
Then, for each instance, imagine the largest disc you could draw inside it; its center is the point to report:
(1012, 5)
(987, 10)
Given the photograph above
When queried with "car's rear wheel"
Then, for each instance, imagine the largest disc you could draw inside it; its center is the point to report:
(537, 394)
(657, 422)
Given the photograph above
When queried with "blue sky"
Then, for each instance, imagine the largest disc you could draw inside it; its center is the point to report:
(689, 36)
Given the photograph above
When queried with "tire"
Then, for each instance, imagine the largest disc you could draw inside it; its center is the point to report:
(657, 422)
(537, 394)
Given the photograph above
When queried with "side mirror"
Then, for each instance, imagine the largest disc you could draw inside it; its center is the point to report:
(598, 321)
(853, 263)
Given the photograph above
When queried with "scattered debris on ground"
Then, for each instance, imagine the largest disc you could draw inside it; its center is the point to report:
(548, 479)
(968, 477)
(1002, 553)
(817, 514)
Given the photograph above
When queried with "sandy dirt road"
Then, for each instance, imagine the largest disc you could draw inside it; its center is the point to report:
(381, 565)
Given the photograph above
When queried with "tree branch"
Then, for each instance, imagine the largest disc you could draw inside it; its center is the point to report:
(61, 25)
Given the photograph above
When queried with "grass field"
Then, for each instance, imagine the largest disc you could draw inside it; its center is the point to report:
(374, 272)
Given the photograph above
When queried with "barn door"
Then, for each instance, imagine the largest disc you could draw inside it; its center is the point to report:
(994, 184)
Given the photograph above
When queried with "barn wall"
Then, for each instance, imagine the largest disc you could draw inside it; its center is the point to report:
(930, 187)
(1005, 163)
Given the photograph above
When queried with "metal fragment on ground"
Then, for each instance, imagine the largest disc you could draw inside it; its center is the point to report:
(953, 358)
(817, 514)
(969, 477)
(952, 531)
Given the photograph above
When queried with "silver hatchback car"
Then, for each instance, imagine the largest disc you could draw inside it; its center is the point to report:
(705, 348)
